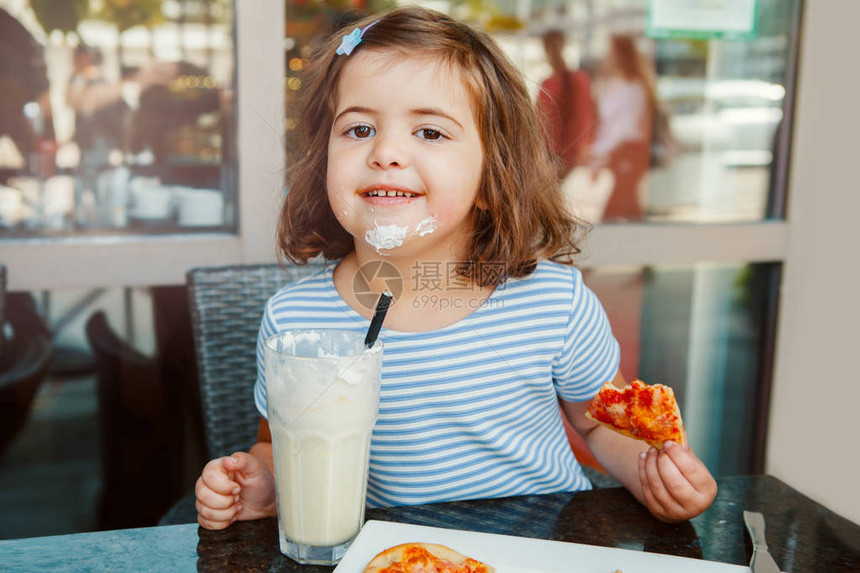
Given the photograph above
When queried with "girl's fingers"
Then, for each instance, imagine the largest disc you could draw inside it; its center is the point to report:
(236, 462)
(692, 469)
(643, 480)
(664, 480)
(245, 467)
(217, 516)
(218, 489)
(676, 484)
(218, 478)
(687, 488)
(215, 525)
(648, 492)
(213, 499)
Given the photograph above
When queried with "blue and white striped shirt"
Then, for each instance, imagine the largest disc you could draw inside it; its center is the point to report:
(470, 410)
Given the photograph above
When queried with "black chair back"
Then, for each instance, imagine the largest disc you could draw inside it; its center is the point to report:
(135, 431)
(24, 360)
(2, 304)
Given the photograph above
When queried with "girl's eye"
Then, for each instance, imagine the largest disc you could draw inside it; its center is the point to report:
(361, 131)
(430, 134)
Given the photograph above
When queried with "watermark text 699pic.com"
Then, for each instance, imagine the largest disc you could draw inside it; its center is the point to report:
(437, 302)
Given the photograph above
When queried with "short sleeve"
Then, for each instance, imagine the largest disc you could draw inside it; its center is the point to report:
(590, 354)
(267, 329)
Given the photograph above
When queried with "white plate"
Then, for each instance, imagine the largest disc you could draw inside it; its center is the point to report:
(509, 554)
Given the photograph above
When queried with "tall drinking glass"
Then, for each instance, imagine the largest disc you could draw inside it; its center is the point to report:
(322, 399)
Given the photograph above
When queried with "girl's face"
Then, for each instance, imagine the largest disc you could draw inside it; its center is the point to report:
(404, 155)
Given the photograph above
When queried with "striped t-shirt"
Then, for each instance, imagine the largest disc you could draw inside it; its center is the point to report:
(470, 410)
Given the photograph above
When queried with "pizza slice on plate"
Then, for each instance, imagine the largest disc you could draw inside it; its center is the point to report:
(641, 411)
(424, 558)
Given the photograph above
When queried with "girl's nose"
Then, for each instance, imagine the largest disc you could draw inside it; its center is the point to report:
(387, 153)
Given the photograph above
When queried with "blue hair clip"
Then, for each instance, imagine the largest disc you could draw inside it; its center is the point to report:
(351, 40)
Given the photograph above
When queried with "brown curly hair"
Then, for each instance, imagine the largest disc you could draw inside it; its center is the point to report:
(522, 215)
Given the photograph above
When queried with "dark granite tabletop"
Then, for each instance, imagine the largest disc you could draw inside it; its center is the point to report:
(803, 535)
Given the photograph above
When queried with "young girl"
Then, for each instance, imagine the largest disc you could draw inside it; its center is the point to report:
(424, 151)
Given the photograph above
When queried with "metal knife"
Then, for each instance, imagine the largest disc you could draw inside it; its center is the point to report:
(762, 561)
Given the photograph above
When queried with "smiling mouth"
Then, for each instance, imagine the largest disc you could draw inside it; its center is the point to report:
(387, 193)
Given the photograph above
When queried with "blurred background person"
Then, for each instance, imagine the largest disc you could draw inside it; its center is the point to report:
(103, 112)
(100, 111)
(625, 102)
(566, 107)
(25, 103)
(164, 119)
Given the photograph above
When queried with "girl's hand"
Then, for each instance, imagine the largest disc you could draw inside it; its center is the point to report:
(676, 485)
(237, 487)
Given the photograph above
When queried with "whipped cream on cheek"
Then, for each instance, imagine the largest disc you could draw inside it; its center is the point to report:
(425, 227)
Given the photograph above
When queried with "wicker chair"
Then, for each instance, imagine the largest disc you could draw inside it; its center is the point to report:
(226, 309)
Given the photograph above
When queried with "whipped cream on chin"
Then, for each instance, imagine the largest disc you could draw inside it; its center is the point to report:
(385, 236)
(392, 236)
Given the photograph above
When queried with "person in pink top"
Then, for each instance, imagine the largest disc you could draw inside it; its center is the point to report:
(626, 100)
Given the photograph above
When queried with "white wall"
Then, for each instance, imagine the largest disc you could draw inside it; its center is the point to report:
(812, 440)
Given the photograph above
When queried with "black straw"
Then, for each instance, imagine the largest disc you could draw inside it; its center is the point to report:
(378, 317)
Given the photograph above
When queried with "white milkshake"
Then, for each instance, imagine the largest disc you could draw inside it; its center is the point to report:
(321, 409)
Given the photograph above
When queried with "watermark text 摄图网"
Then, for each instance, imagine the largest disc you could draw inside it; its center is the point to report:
(437, 276)
(437, 285)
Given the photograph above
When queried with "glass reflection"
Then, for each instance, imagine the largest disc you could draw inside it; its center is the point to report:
(119, 119)
(687, 127)
(705, 330)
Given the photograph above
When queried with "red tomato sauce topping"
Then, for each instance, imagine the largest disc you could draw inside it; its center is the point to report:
(647, 412)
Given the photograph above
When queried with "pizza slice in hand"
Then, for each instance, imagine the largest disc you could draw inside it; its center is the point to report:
(641, 411)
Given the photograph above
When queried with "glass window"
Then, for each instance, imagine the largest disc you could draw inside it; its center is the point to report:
(117, 118)
(705, 330)
(687, 128)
